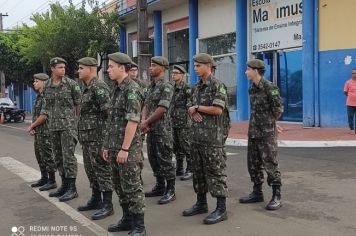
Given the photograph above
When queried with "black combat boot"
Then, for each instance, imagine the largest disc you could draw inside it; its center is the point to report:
(138, 225)
(158, 190)
(107, 208)
(42, 181)
(125, 223)
(219, 214)
(93, 203)
(61, 190)
(179, 169)
(71, 191)
(255, 196)
(170, 194)
(51, 183)
(275, 202)
(200, 207)
(188, 172)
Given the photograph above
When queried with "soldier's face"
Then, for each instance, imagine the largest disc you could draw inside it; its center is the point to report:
(201, 69)
(38, 84)
(133, 73)
(84, 72)
(155, 70)
(251, 73)
(177, 75)
(59, 70)
(115, 70)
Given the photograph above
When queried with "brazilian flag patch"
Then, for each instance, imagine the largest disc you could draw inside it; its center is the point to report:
(132, 96)
(77, 88)
(100, 92)
(274, 92)
(222, 90)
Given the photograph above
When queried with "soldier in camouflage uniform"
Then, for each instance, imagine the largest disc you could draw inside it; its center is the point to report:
(94, 111)
(181, 122)
(156, 123)
(43, 146)
(62, 98)
(208, 110)
(123, 144)
(266, 108)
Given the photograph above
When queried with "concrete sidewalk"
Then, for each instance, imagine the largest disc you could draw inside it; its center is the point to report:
(295, 135)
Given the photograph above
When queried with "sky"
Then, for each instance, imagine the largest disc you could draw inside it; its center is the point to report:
(20, 11)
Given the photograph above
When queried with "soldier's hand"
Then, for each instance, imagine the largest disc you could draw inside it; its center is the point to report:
(106, 155)
(122, 157)
(30, 130)
(279, 129)
(191, 110)
(197, 117)
(144, 127)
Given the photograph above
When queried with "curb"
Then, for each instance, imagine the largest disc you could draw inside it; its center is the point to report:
(289, 143)
(296, 143)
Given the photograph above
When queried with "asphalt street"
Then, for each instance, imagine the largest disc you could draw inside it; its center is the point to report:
(318, 196)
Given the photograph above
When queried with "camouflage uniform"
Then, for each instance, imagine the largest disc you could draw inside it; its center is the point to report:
(94, 110)
(126, 106)
(181, 122)
(208, 140)
(159, 138)
(265, 101)
(60, 102)
(43, 146)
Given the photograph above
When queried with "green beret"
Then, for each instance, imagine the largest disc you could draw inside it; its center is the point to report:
(256, 64)
(88, 61)
(41, 76)
(159, 60)
(57, 60)
(120, 58)
(204, 58)
(133, 64)
(180, 68)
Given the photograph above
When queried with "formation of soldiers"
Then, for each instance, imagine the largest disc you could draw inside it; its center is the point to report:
(111, 125)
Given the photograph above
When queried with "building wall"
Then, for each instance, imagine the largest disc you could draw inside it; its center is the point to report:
(216, 17)
(337, 57)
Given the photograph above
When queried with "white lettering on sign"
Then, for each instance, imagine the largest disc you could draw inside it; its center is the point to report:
(275, 24)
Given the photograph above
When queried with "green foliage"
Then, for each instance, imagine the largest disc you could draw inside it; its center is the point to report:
(66, 31)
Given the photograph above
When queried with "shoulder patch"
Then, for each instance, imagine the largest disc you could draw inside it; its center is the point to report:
(274, 92)
(100, 92)
(222, 89)
(132, 96)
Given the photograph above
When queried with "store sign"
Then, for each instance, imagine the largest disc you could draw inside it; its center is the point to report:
(275, 24)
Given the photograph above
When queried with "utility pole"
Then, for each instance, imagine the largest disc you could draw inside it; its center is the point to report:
(143, 42)
(2, 75)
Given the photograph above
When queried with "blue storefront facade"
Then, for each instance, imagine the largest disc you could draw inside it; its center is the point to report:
(310, 77)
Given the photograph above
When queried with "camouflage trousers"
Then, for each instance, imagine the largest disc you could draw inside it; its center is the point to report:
(181, 144)
(209, 170)
(97, 169)
(127, 182)
(43, 152)
(63, 145)
(262, 155)
(160, 156)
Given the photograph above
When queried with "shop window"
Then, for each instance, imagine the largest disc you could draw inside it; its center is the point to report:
(222, 48)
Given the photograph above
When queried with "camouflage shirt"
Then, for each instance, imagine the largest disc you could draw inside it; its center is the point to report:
(94, 111)
(265, 101)
(125, 106)
(60, 102)
(37, 110)
(179, 109)
(143, 86)
(212, 130)
(160, 94)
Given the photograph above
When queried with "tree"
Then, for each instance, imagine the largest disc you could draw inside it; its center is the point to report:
(71, 33)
